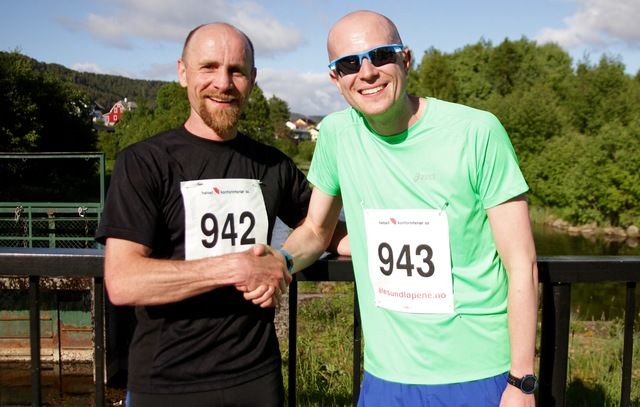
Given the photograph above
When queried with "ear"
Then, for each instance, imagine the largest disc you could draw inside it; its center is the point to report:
(335, 79)
(407, 59)
(182, 73)
(254, 74)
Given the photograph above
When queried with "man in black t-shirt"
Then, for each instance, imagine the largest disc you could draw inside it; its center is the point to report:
(187, 220)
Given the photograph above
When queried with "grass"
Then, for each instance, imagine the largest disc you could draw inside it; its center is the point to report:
(325, 346)
(594, 374)
(325, 354)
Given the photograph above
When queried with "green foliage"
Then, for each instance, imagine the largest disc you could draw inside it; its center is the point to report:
(305, 150)
(255, 120)
(531, 116)
(279, 115)
(436, 78)
(287, 146)
(575, 131)
(324, 357)
(595, 95)
(101, 88)
(591, 178)
(40, 112)
(171, 111)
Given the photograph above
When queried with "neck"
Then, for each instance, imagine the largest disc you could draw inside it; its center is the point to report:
(398, 118)
(195, 125)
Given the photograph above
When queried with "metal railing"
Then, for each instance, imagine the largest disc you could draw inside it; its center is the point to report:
(35, 223)
(49, 224)
(556, 274)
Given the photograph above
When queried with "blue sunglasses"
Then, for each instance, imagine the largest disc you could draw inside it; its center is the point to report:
(378, 56)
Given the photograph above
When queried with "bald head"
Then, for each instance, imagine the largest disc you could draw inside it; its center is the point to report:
(218, 29)
(359, 29)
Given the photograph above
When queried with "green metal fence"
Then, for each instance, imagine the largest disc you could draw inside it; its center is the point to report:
(51, 223)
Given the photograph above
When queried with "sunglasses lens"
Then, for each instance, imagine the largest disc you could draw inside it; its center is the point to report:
(382, 56)
(348, 65)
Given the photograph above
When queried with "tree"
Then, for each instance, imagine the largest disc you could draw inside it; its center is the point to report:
(255, 120)
(596, 95)
(279, 115)
(39, 111)
(435, 77)
(504, 65)
(469, 65)
(531, 117)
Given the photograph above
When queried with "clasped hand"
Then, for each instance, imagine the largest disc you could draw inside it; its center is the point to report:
(266, 277)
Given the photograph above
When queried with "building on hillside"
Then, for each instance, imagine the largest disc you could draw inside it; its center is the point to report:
(115, 114)
(302, 128)
(97, 113)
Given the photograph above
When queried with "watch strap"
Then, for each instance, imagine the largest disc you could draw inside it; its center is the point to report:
(527, 383)
(288, 260)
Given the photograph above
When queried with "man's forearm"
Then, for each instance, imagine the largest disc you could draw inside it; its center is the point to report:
(133, 278)
(305, 247)
(523, 314)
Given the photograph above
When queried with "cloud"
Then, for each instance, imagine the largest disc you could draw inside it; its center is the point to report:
(310, 94)
(598, 23)
(95, 68)
(87, 67)
(170, 20)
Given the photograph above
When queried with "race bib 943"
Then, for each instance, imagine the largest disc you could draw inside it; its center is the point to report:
(409, 259)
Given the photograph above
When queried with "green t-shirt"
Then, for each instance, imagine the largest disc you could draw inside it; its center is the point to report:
(454, 158)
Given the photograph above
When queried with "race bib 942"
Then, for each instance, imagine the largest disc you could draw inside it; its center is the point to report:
(222, 216)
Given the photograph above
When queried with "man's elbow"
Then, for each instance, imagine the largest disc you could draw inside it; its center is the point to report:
(117, 291)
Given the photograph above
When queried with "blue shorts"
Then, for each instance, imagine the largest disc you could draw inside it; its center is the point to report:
(375, 392)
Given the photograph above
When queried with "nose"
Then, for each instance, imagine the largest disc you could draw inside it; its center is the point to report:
(367, 69)
(222, 80)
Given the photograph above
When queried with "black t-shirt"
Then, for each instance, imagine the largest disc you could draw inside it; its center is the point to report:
(217, 339)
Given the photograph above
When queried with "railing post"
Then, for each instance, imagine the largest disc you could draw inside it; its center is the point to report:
(98, 339)
(34, 335)
(554, 345)
(627, 349)
(293, 328)
(357, 344)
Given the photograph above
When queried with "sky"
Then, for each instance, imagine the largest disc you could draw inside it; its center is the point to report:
(142, 39)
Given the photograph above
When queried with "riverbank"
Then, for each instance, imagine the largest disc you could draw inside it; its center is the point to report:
(630, 235)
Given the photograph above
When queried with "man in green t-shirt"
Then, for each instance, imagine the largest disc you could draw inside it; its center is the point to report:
(439, 231)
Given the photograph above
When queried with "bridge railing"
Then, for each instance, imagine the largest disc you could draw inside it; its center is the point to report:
(556, 275)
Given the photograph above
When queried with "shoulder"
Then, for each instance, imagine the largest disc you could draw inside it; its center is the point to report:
(152, 144)
(260, 152)
(340, 122)
(470, 117)
(346, 116)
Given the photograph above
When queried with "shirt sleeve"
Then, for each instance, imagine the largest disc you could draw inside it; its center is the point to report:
(499, 177)
(323, 172)
(132, 203)
(296, 195)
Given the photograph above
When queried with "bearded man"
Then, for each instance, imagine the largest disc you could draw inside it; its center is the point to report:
(187, 222)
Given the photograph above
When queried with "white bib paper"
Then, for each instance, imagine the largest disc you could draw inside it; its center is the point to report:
(409, 259)
(222, 216)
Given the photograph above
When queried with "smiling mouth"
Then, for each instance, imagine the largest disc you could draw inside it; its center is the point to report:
(372, 91)
(218, 100)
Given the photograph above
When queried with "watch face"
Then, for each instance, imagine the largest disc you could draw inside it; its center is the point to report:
(529, 383)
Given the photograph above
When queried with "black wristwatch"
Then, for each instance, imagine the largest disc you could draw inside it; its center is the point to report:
(527, 383)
